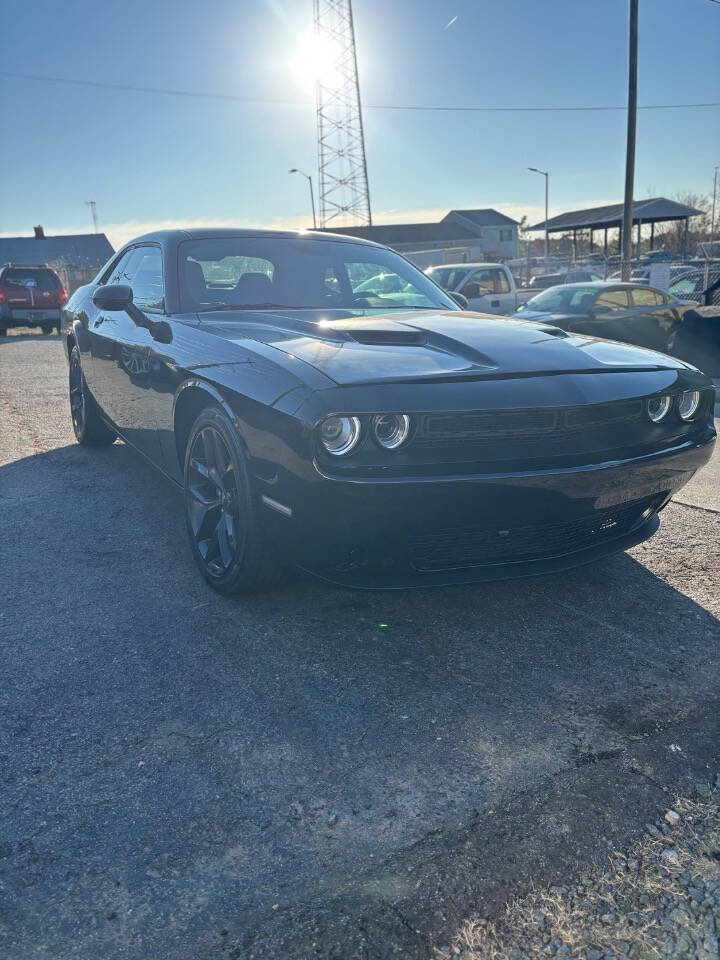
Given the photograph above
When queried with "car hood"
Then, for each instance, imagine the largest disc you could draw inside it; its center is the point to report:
(358, 347)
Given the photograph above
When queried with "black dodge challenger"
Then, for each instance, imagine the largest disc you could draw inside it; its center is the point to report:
(321, 400)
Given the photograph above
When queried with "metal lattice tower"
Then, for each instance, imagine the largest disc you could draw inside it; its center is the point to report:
(342, 168)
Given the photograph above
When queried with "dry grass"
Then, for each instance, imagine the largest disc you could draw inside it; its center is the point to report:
(659, 899)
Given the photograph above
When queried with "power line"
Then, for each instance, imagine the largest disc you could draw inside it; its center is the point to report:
(440, 108)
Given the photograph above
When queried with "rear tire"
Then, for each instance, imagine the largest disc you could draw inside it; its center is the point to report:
(89, 427)
(227, 537)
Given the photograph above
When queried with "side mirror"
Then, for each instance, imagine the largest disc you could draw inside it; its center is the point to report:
(113, 297)
(460, 300)
(117, 297)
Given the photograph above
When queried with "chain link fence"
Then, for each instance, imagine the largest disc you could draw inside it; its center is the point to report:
(695, 280)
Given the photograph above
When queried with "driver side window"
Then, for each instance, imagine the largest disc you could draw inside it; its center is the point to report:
(141, 269)
(121, 271)
(479, 284)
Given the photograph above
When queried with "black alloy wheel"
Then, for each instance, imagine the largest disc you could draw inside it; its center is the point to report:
(213, 503)
(224, 518)
(77, 395)
(89, 427)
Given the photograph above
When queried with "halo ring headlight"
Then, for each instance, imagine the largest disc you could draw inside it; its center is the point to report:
(658, 407)
(688, 404)
(339, 435)
(391, 430)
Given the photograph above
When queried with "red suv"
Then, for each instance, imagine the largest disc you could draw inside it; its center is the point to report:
(30, 296)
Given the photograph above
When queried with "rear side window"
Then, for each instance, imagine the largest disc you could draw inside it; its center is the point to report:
(44, 280)
(646, 298)
(612, 300)
(502, 284)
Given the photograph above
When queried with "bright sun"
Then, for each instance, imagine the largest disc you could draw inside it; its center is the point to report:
(316, 60)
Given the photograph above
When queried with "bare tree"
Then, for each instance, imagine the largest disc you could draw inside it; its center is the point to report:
(698, 229)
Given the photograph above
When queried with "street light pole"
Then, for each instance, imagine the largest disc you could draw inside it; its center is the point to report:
(630, 152)
(712, 218)
(545, 174)
(312, 193)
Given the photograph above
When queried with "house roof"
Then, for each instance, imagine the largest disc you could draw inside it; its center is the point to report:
(392, 233)
(460, 225)
(78, 250)
(654, 210)
(486, 217)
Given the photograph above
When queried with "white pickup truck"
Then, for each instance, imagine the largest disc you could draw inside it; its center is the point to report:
(487, 287)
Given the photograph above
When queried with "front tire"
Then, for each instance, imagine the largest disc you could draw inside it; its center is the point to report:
(89, 427)
(47, 328)
(227, 537)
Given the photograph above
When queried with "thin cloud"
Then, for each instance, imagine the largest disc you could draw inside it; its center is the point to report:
(449, 23)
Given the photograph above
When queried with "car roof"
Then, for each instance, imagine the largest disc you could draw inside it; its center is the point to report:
(462, 266)
(610, 285)
(215, 233)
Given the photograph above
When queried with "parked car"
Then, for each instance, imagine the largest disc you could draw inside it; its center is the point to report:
(546, 280)
(629, 312)
(31, 295)
(698, 285)
(373, 442)
(487, 287)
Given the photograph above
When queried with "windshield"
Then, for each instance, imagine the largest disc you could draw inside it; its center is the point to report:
(301, 273)
(563, 300)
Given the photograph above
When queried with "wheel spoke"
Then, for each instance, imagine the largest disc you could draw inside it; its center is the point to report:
(205, 494)
(203, 518)
(230, 530)
(221, 456)
(199, 467)
(226, 551)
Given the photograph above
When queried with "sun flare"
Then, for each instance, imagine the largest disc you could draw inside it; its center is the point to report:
(316, 60)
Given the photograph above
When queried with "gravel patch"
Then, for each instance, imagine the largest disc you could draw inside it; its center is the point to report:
(658, 899)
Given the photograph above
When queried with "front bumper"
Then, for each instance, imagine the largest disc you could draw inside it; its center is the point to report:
(27, 317)
(424, 532)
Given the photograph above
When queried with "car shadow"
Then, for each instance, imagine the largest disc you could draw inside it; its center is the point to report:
(164, 739)
(14, 336)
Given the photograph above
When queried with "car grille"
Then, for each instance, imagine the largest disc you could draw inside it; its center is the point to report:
(526, 425)
(560, 432)
(457, 548)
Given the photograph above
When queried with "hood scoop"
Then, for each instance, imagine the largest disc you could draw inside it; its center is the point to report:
(398, 337)
(554, 331)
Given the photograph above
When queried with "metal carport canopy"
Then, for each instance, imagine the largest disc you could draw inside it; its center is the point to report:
(655, 210)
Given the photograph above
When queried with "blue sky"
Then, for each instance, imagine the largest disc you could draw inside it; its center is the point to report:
(151, 159)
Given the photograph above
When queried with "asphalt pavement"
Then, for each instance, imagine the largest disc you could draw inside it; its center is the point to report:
(311, 772)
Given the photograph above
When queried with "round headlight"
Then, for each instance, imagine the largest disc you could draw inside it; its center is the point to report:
(658, 407)
(391, 429)
(339, 435)
(688, 404)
